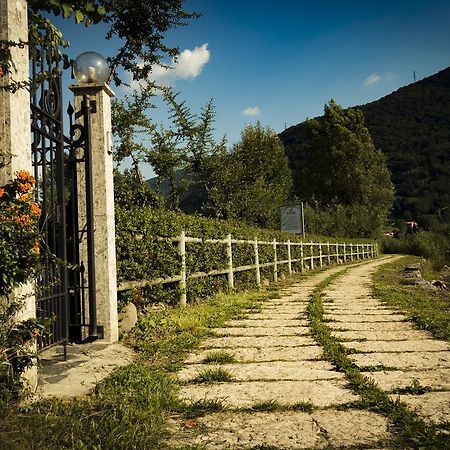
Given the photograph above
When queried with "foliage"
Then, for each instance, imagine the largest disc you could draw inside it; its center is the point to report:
(130, 189)
(19, 261)
(340, 166)
(140, 26)
(253, 181)
(340, 220)
(19, 237)
(428, 244)
(179, 154)
(142, 256)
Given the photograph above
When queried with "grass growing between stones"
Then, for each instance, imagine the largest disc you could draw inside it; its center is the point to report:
(429, 309)
(410, 430)
(130, 408)
(219, 357)
(215, 375)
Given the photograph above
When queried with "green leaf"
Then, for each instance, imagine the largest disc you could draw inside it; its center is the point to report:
(90, 7)
(67, 10)
(79, 16)
(101, 10)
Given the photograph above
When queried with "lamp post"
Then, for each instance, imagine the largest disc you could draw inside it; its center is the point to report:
(91, 73)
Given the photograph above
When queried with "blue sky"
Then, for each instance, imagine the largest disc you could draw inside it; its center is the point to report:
(280, 61)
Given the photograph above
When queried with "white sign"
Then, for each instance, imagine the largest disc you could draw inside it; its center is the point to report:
(292, 219)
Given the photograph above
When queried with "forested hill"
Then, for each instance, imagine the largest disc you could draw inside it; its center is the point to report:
(412, 127)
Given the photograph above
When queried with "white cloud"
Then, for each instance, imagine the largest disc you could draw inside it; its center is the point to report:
(189, 65)
(372, 79)
(251, 111)
(376, 78)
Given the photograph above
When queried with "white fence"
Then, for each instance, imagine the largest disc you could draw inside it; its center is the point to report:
(312, 255)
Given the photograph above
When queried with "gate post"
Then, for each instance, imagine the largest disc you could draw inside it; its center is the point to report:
(15, 126)
(100, 143)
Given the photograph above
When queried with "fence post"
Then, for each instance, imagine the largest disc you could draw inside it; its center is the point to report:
(311, 247)
(275, 261)
(230, 263)
(258, 273)
(302, 263)
(182, 283)
(357, 252)
(328, 251)
(345, 253)
(337, 253)
(371, 250)
(289, 256)
(320, 254)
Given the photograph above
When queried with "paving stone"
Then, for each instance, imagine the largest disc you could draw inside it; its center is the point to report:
(411, 360)
(287, 430)
(277, 316)
(434, 407)
(246, 393)
(279, 370)
(267, 323)
(392, 336)
(261, 331)
(366, 317)
(390, 380)
(424, 345)
(370, 326)
(336, 308)
(262, 341)
(253, 354)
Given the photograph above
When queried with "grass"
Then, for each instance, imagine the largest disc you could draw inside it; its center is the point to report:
(411, 430)
(219, 357)
(130, 408)
(428, 309)
(215, 375)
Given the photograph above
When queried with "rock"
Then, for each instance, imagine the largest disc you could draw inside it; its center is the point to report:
(128, 318)
(440, 284)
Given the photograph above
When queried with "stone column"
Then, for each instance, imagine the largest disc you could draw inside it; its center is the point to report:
(15, 126)
(103, 196)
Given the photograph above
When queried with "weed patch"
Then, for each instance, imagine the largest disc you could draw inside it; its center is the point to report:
(215, 375)
(219, 358)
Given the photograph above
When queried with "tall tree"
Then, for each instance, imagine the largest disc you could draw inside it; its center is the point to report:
(254, 180)
(342, 165)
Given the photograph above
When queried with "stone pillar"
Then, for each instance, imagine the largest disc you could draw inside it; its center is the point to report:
(103, 197)
(15, 126)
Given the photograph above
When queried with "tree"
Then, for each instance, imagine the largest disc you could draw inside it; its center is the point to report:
(141, 26)
(254, 180)
(342, 165)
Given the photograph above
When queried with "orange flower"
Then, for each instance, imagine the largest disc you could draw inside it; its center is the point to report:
(23, 175)
(24, 187)
(35, 210)
(23, 220)
(2, 192)
(36, 248)
(24, 197)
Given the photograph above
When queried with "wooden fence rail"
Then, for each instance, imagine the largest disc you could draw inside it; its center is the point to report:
(312, 255)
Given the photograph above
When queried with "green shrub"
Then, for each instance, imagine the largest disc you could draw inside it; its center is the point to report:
(142, 256)
(428, 244)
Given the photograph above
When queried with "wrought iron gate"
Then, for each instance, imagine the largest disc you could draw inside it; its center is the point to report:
(61, 292)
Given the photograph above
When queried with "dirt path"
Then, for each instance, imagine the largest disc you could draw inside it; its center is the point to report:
(284, 394)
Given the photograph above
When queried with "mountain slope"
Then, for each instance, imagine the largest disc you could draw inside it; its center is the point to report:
(412, 128)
